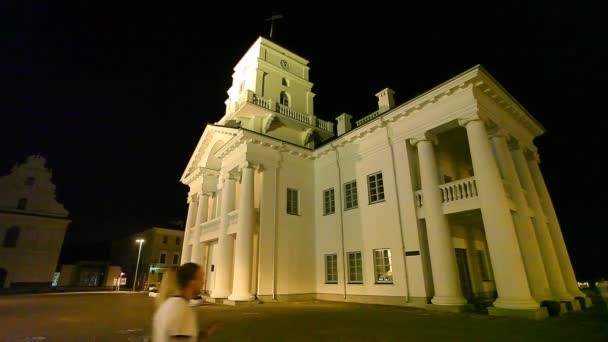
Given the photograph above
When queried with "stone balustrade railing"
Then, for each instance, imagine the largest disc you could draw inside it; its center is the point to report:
(368, 118)
(290, 113)
(210, 225)
(453, 191)
(460, 189)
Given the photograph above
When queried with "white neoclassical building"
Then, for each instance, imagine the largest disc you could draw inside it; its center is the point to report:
(32, 225)
(438, 202)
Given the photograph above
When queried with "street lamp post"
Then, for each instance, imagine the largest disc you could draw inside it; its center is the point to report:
(140, 241)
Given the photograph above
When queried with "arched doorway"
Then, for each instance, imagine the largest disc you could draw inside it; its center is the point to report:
(3, 275)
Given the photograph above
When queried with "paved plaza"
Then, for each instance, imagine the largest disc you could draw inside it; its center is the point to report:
(127, 317)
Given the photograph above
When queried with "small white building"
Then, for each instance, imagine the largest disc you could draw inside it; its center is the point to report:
(437, 202)
(32, 225)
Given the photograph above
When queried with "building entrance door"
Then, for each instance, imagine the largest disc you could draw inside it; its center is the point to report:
(209, 285)
(463, 271)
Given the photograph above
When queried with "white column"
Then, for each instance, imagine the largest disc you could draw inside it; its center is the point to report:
(201, 217)
(443, 257)
(186, 248)
(528, 244)
(241, 286)
(225, 243)
(509, 272)
(545, 243)
(555, 230)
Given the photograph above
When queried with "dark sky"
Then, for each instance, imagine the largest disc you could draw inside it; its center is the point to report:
(116, 95)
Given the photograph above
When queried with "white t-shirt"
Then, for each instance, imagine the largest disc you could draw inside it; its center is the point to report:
(174, 318)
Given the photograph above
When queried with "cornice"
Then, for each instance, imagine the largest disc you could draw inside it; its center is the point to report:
(487, 85)
(248, 137)
(417, 104)
(203, 144)
(474, 78)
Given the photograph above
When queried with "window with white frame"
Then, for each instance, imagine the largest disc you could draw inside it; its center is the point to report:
(350, 195)
(163, 258)
(329, 202)
(382, 266)
(331, 268)
(175, 258)
(284, 99)
(355, 268)
(292, 202)
(375, 186)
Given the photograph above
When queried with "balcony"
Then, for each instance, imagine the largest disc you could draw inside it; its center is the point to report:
(250, 97)
(460, 195)
(210, 230)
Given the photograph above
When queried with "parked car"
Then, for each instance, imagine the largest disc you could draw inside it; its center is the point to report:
(196, 301)
(152, 291)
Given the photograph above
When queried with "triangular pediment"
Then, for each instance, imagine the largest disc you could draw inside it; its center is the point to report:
(212, 136)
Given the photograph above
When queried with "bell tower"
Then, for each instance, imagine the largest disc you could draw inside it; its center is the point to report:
(271, 94)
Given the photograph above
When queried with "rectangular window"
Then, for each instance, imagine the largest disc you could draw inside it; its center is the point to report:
(382, 266)
(350, 195)
(163, 258)
(355, 268)
(292, 202)
(22, 204)
(331, 269)
(177, 240)
(376, 187)
(164, 238)
(29, 181)
(175, 258)
(329, 202)
(483, 266)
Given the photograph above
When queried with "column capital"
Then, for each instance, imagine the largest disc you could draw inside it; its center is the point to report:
(497, 132)
(192, 198)
(206, 193)
(513, 144)
(249, 165)
(426, 136)
(228, 175)
(532, 156)
(464, 121)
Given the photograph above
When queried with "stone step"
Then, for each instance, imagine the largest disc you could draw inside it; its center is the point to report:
(224, 301)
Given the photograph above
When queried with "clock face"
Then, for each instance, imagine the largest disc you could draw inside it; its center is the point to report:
(284, 64)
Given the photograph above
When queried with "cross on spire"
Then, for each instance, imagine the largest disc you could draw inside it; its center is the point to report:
(272, 19)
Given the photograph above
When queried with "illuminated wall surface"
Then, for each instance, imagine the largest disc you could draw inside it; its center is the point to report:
(437, 201)
(32, 225)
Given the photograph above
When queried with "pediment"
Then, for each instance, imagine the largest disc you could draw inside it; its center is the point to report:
(203, 157)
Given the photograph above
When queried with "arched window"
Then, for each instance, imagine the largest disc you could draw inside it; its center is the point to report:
(22, 204)
(285, 82)
(11, 237)
(284, 99)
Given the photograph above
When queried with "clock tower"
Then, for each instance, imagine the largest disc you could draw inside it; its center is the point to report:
(271, 94)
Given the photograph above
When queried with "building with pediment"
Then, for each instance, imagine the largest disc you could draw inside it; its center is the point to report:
(32, 225)
(437, 202)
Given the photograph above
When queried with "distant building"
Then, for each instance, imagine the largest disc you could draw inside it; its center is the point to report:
(161, 249)
(32, 225)
(88, 274)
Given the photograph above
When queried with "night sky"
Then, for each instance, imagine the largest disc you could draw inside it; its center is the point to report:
(116, 96)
